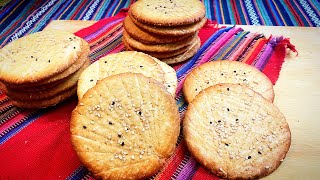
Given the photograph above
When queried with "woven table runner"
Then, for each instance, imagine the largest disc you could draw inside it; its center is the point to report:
(35, 144)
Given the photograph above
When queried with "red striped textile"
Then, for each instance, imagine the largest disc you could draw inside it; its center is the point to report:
(35, 144)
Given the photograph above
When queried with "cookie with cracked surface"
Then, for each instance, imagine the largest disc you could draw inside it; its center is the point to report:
(225, 71)
(125, 127)
(236, 133)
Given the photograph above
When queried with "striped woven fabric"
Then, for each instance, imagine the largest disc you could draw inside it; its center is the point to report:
(35, 144)
(21, 17)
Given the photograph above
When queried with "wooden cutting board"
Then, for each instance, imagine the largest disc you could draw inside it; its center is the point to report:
(297, 96)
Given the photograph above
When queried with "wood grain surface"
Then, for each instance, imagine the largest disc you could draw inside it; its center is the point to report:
(297, 96)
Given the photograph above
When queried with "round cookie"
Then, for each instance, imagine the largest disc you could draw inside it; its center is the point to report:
(43, 103)
(38, 56)
(58, 78)
(67, 83)
(169, 47)
(125, 127)
(127, 61)
(168, 12)
(171, 30)
(225, 71)
(147, 37)
(190, 51)
(156, 54)
(236, 133)
(170, 77)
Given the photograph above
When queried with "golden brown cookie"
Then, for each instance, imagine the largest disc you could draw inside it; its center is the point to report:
(127, 61)
(157, 54)
(125, 127)
(38, 56)
(236, 133)
(171, 30)
(190, 51)
(43, 103)
(168, 47)
(67, 83)
(226, 71)
(170, 77)
(147, 37)
(168, 12)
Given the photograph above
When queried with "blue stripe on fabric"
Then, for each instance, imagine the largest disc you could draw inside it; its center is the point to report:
(21, 11)
(79, 173)
(225, 11)
(284, 13)
(103, 8)
(276, 13)
(264, 13)
(218, 12)
(208, 9)
(305, 22)
(9, 10)
(62, 8)
(203, 48)
(256, 11)
(270, 13)
(47, 18)
(70, 10)
(316, 3)
(241, 14)
(289, 13)
(20, 127)
(83, 10)
(231, 13)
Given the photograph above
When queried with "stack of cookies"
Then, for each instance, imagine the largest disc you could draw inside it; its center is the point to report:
(42, 69)
(231, 125)
(165, 29)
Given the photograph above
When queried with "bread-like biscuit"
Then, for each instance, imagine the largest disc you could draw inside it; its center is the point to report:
(168, 12)
(67, 83)
(236, 133)
(38, 56)
(127, 61)
(226, 71)
(146, 37)
(56, 79)
(158, 55)
(190, 51)
(168, 47)
(44, 103)
(171, 30)
(125, 127)
(170, 77)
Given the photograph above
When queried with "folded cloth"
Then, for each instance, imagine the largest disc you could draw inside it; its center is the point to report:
(35, 144)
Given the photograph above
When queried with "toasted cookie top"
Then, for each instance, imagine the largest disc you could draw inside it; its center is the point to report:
(38, 56)
(235, 132)
(127, 61)
(226, 71)
(125, 127)
(168, 12)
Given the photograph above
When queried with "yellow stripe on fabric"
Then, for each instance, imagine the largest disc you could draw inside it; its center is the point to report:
(222, 12)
